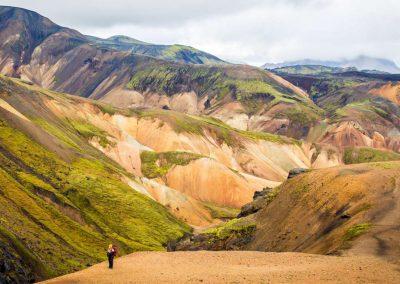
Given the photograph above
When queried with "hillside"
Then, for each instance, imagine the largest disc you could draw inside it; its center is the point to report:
(343, 214)
(62, 200)
(333, 211)
(362, 109)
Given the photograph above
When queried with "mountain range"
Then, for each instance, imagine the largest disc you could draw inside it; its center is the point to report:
(361, 63)
(154, 146)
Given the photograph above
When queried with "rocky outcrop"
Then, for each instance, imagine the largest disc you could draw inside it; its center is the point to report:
(260, 198)
(12, 268)
(233, 235)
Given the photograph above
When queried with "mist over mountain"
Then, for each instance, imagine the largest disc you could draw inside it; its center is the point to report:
(361, 62)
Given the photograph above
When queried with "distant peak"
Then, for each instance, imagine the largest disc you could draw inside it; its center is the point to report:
(125, 39)
(360, 62)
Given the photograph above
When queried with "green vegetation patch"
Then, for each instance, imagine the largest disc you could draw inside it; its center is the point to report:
(218, 212)
(105, 108)
(158, 164)
(199, 125)
(366, 155)
(308, 69)
(244, 226)
(89, 131)
(58, 132)
(301, 116)
(386, 165)
(356, 231)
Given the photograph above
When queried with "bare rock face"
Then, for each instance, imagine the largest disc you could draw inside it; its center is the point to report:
(259, 200)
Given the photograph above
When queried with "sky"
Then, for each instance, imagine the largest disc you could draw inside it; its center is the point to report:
(240, 31)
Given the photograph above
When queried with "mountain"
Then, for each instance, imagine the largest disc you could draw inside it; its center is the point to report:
(64, 60)
(23, 31)
(244, 97)
(311, 69)
(73, 167)
(362, 108)
(361, 63)
(176, 52)
(117, 140)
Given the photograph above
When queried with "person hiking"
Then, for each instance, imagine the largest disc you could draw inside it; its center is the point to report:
(111, 252)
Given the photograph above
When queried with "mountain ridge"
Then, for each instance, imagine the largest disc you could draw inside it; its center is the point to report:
(361, 62)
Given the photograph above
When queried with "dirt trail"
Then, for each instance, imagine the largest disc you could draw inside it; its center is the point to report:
(236, 267)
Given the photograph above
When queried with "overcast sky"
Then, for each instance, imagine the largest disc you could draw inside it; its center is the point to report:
(248, 31)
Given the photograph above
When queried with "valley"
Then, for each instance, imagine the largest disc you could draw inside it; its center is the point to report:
(236, 266)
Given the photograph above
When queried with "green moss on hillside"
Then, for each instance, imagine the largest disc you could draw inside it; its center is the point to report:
(242, 225)
(158, 164)
(65, 214)
(367, 155)
(356, 231)
(105, 108)
(218, 212)
(58, 132)
(253, 88)
(301, 116)
(199, 125)
(89, 131)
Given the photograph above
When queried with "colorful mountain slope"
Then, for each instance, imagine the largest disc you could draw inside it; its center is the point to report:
(361, 108)
(78, 166)
(63, 201)
(346, 210)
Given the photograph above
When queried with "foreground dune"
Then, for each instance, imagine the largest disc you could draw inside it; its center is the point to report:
(236, 267)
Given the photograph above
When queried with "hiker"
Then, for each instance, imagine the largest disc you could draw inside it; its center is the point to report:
(111, 252)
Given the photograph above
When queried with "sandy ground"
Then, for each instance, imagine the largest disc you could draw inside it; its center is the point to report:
(236, 267)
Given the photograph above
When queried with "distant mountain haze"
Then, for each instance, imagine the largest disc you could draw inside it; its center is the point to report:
(361, 62)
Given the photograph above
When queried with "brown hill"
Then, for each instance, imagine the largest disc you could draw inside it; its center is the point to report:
(353, 208)
(347, 210)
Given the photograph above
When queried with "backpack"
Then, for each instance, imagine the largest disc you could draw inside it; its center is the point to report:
(115, 249)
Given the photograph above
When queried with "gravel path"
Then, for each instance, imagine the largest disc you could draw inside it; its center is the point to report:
(236, 267)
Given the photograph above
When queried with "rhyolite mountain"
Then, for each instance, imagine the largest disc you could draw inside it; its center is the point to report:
(244, 97)
(37, 50)
(117, 140)
(176, 52)
(24, 30)
(361, 63)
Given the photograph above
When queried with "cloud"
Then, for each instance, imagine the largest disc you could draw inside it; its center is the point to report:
(252, 31)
